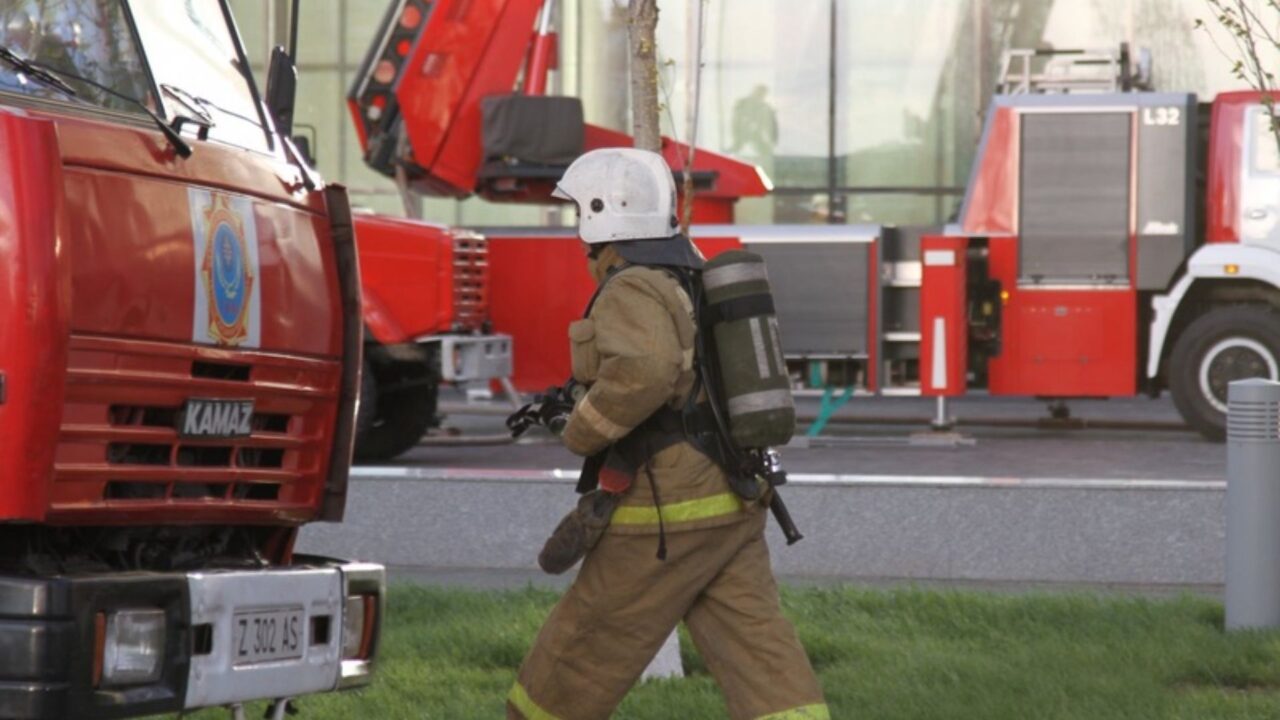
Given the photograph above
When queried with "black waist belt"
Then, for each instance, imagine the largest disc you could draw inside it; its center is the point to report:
(664, 429)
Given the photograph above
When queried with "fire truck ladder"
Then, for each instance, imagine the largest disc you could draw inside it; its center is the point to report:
(1047, 71)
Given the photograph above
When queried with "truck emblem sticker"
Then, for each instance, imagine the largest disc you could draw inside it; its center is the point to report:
(227, 292)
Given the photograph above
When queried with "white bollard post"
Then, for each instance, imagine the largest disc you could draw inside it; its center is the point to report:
(667, 663)
(1253, 504)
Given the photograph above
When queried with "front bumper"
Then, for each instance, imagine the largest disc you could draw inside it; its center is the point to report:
(48, 638)
(469, 358)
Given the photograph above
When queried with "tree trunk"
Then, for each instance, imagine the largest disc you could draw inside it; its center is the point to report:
(642, 25)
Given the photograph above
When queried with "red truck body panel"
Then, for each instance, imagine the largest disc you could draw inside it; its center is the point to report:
(993, 190)
(1061, 342)
(944, 321)
(102, 280)
(406, 271)
(34, 311)
(1079, 338)
(1226, 143)
(121, 394)
(469, 50)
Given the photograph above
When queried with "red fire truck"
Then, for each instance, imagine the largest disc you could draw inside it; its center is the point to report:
(450, 101)
(426, 320)
(1112, 240)
(179, 365)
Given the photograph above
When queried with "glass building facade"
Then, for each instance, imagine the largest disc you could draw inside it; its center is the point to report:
(859, 110)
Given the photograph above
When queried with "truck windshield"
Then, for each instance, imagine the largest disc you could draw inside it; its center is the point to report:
(86, 38)
(198, 67)
(1266, 151)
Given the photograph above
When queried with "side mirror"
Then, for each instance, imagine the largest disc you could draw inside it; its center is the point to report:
(282, 88)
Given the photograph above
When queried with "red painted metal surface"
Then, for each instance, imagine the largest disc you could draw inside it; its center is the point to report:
(540, 284)
(406, 270)
(542, 59)
(944, 329)
(991, 205)
(98, 251)
(1226, 147)
(143, 152)
(873, 317)
(470, 49)
(124, 223)
(34, 311)
(1061, 342)
(122, 397)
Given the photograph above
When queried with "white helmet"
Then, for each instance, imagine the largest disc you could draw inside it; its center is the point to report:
(622, 194)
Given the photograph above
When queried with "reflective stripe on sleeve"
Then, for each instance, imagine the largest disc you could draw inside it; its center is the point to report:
(526, 705)
(684, 511)
(607, 428)
(807, 712)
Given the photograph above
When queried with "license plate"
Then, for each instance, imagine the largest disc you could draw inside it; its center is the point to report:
(208, 418)
(267, 635)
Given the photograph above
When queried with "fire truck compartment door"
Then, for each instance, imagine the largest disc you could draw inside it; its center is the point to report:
(944, 327)
(825, 311)
(1067, 343)
(1074, 197)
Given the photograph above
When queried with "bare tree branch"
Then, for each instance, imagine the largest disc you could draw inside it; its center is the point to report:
(642, 26)
(1247, 29)
(1259, 25)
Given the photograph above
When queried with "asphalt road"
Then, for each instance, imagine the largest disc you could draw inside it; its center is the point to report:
(1141, 438)
(950, 510)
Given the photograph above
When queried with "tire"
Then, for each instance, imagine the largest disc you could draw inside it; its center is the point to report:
(391, 422)
(1222, 345)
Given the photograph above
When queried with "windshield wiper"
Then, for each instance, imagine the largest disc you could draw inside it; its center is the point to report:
(50, 75)
(30, 69)
(191, 102)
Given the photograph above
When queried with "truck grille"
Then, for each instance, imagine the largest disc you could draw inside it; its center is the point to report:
(470, 280)
(120, 446)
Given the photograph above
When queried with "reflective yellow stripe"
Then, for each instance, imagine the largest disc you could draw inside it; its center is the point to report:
(808, 712)
(699, 509)
(526, 705)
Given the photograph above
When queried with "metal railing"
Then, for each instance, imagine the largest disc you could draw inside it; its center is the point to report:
(1027, 71)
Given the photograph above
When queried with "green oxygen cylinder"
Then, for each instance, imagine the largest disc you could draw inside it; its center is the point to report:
(754, 383)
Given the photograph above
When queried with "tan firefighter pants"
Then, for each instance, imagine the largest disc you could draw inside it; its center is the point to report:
(625, 602)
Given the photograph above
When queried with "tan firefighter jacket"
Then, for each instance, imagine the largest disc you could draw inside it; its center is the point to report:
(635, 352)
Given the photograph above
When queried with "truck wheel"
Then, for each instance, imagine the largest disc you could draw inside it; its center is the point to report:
(1224, 344)
(391, 422)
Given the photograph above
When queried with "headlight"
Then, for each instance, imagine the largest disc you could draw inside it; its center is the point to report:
(357, 622)
(132, 647)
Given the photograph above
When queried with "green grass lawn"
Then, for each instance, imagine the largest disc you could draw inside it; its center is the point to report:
(452, 654)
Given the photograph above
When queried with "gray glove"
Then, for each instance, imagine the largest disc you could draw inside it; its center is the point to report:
(578, 532)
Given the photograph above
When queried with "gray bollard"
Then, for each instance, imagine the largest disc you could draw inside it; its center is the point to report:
(1253, 504)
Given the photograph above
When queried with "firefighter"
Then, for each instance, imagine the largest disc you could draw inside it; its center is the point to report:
(680, 545)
